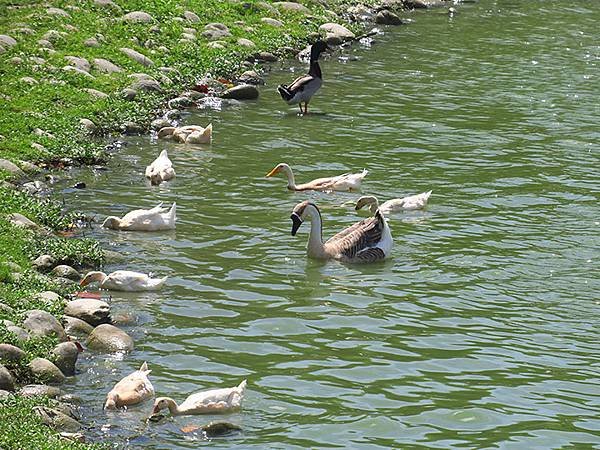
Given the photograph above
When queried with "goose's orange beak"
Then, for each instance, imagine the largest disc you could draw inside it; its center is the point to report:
(273, 172)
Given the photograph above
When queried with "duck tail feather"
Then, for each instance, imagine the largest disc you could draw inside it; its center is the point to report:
(285, 93)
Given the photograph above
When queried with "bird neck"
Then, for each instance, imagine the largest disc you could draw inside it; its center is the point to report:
(315, 246)
(173, 407)
(290, 177)
(315, 69)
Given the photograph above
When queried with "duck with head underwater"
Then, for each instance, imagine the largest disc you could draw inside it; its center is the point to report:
(303, 88)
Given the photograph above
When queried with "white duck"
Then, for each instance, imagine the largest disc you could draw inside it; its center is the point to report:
(161, 169)
(213, 401)
(155, 219)
(344, 182)
(412, 202)
(367, 241)
(123, 280)
(134, 388)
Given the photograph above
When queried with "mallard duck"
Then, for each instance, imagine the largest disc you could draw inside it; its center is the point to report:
(344, 182)
(367, 241)
(161, 169)
(123, 280)
(303, 88)
(418, 201)
(213, 401)
(155, 219)
(134, 388)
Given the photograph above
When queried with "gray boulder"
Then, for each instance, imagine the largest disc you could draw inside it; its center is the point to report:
(44, 263)
(41, 323)
(11, 354)
(19, 332)
(66, 272)
(106, 66)
(147, 85)
(137, 57)
(77, 327)
(92, 311)
(80, 63)
(22, 221)
(386, 17)
(57, 420)
(138, 17)
(241, 92)
(191, 17)
(7, 382)
(7, 41)
(108, 338)
(66, 354)
(46, 371)
(36, 390)
(12, 168)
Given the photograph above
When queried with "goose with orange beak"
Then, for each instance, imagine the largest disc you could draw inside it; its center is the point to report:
(343, 183)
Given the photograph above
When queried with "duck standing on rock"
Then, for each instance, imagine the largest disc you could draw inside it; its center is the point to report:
(133, 389)
(123, 280)
(303, 88)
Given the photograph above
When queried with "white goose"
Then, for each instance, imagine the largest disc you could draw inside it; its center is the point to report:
(155, 219)
(344, 182)
(206, 402)
(367, 241)
(123, 280)
(161, 169)
(134, 388)
(412, 202)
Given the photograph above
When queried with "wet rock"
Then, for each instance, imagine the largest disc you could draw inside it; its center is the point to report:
(73, 437)
(241, 92)
(66, 272)
(41, 323)
(57, 12)
(251, 77)
(7, 41)
(138, 17)
(191, 17)
(36, 390)
(137, 57)
(245, 42)
(19, 332)
(92, 311)
(272, 22)
(105, 66)
(44, 263)
(147, 85)
(57, 420)
(11, 168)
(128, 94)
(159, 124)
(220, 428)
(7, 382)
(292, 7)
(78, 71)
(88, 125)
(336, 33)
(77, 327)
(11, 354)
(46, 370)
(66, 354)
(108, 338)
(386, 17)
(180, 103)
(80, 63)
(21, 221)
(95, 93)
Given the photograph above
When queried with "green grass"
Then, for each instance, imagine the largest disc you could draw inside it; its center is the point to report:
(21, 428)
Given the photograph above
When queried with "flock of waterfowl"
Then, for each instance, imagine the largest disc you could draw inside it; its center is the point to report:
(366, 241)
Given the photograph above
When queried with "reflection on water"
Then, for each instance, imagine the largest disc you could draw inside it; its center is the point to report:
(480, 332)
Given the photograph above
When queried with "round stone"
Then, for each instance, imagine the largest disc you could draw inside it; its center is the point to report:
(46, 371)
(42, 323)
(92, 311)
(108, 338)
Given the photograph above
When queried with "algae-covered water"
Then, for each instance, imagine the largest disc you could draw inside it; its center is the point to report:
(481, 331)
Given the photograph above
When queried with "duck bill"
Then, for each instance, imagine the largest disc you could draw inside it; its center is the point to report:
(296, 222)
(272, 172)
(83, 283)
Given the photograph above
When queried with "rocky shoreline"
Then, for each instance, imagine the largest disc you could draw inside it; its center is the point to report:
(67, 321)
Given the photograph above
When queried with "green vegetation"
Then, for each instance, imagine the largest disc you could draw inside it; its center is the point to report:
(21, 428)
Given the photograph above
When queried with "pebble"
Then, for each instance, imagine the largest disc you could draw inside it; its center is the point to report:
(137, 57)
(46, 370)
(147, 85)
(128, 93)
(91, 42)
(336, 33)
(47, 297)
(106, 4)
(251, 77)
(15, 61)
(180, 103)
(88, 125)
(78, 71)
(43, 43)
(266, 57)
(241, 92)
(52, 36)
(57, 12)
(159, 124)
(215, 31)
(22, 221)
(57, 420)
(19, 332)
(42, 323)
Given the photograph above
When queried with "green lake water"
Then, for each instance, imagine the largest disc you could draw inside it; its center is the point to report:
(481, 331)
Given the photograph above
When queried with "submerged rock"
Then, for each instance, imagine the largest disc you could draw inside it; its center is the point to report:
(241, 92)
(108, 338)
(92, 311)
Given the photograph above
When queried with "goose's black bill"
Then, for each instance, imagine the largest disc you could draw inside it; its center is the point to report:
(296, 222)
